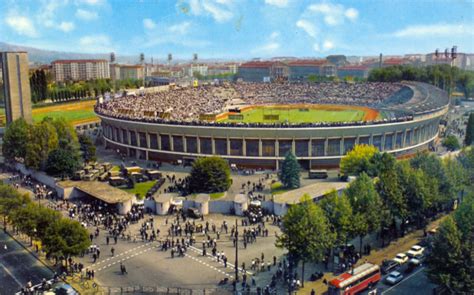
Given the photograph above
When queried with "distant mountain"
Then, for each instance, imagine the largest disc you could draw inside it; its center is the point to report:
(47, 56)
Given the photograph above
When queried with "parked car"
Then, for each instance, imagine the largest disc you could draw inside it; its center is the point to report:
(415, 250)
(388, 266)
(401, 258)
(412, 264)
(394, 277)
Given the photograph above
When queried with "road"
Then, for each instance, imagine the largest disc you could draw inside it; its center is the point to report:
(18, 266)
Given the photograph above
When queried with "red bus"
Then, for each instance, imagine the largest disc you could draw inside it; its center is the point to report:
(352, 282)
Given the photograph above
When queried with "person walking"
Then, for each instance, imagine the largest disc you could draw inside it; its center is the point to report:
(112, 251)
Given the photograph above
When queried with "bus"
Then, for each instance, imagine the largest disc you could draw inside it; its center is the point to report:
(353, 282)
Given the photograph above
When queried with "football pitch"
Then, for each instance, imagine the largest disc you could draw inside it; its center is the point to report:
(295, 115)
(75, 112)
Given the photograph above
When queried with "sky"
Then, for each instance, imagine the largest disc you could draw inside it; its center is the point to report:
(239, 29)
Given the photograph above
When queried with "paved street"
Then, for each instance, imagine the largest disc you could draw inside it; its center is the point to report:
(18, 266)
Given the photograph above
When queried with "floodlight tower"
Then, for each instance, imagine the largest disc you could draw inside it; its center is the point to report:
(170, 58)
(142, 61)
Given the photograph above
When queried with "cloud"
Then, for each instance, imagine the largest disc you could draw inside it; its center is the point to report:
(308, 27)
(149, 24)
(96, 43)
(220, 10)
(181, 28)
(66, 26)
(316, 47)
(93, 2)
(271, 46)
(86, 15)
(21, 25)
(435, 30)
(277, 3)
(334, 14)
(327, 45)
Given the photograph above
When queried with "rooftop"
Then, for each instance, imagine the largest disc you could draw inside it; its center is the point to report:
(66, 61)
(314, 190)
(99, 190)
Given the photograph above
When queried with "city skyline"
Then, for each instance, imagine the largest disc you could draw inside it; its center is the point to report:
(239, 29)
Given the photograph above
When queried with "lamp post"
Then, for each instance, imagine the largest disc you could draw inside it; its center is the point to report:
(236, 252)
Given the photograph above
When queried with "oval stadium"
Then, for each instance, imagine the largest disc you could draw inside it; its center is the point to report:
(257, 124)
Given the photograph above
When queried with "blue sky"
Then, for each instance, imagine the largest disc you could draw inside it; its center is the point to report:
(239, 28)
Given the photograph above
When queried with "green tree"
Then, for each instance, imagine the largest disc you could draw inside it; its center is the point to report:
(209, 175)
(10, 201)
(66, 238)
(61, 162)
(338, 211)
(366, 205)
(469, 139)
(358, 160)
(44, 139)
(15, 140)
(451, 142)
(290, 172)
(306, 233)
(447, 266)
(88, 148)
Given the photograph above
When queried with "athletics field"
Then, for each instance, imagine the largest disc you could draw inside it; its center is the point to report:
(299, 114)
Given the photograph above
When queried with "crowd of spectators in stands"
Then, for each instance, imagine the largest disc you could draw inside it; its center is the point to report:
(185, 105)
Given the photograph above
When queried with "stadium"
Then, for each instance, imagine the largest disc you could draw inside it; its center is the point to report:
(257, 124)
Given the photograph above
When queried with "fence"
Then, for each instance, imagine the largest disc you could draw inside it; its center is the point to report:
(159, 290)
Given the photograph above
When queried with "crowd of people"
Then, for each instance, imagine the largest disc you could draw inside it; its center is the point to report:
(185, 106)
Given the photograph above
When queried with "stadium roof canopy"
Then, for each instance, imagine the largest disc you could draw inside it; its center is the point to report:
(99, 190)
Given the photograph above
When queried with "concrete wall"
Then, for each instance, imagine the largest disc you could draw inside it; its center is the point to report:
(38, 175)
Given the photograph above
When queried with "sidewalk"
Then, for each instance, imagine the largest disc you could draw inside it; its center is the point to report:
(376, 256)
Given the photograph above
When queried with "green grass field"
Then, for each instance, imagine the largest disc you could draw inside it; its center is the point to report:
(307, 115)
(141, 188)
(76, 115)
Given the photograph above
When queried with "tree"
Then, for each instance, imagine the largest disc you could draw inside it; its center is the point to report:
(469, 139)
(306, 233)
(66, 238)
(447, 266)
(15, 140)
(338, 211)
(451, 143)
(358, 160)
(366, 205)
(44, 139)
(209, 175)
(88, 148)
(290, 172)
(62, 162)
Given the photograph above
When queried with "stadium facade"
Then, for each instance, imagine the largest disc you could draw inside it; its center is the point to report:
(262, 146)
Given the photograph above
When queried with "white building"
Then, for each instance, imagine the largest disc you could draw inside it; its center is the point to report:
(80, 69)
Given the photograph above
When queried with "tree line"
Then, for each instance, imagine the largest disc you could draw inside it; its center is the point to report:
(442, 76)
(386, 197)
(50, 145)
(60, 237)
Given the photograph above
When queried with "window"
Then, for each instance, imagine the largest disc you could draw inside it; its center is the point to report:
(301, 148)
(133, 138)
(178, 143)
(377, 141)
(206, 145)
(398, 143)
(153, 141)
(191, 145)
(124, 136)
(349, 144)
(165, 142)
(317, 146)
(268, 148)
(285, 146)
(388, 142)
(334, 147)
(142, 137)
(236, 147)
(221, 146)
(251, 147)
(364, 140)
(408, 138)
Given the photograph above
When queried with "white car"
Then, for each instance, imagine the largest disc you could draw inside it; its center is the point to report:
(401, 258)
(415, 251)
(394, 277)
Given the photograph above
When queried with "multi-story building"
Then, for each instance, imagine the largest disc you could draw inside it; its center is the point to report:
(16, 86)
(201, 69)
(353, 71)
(300, 70)
(463, 61)
(263, 71)
(124, 72)
(80, 69)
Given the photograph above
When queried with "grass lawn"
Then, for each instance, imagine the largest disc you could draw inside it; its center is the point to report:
(140, 188)
(306, 115)
(277, 188)
(76, 115)
(215, 196)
